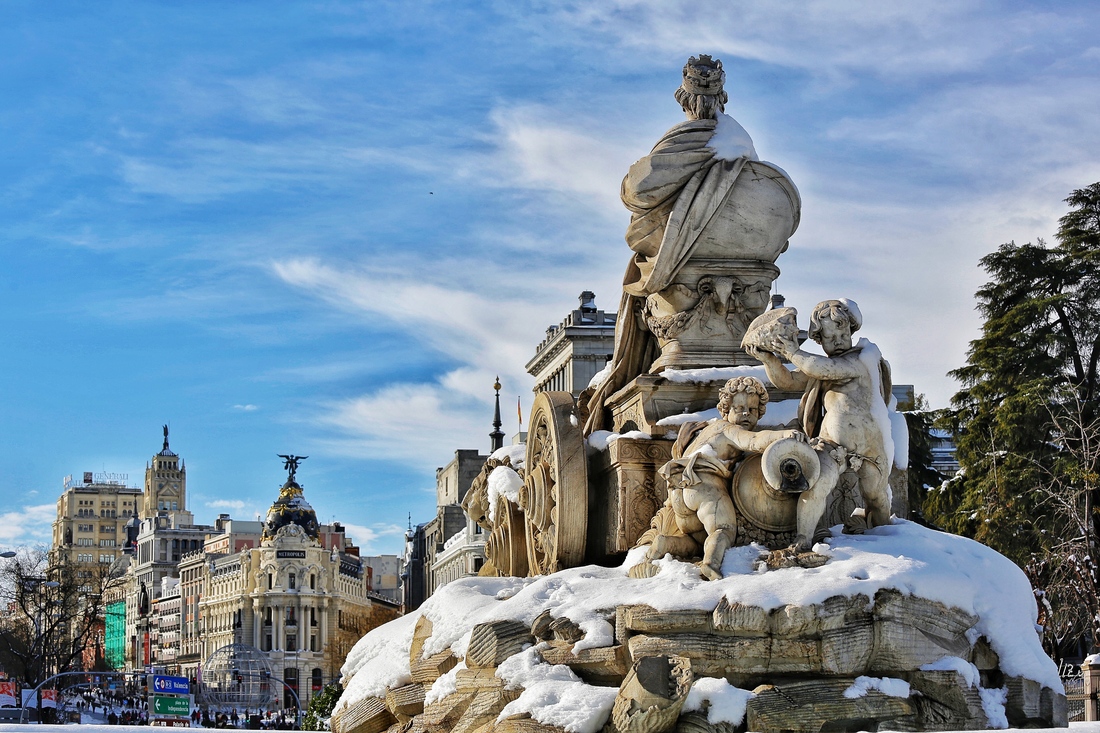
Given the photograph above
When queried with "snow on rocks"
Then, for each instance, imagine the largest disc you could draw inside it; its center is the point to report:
(942, 611)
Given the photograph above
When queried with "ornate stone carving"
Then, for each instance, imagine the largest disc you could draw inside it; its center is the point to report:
(630, 492)
(717, 308)
(554, 498)
(726, 478)
(506, 546)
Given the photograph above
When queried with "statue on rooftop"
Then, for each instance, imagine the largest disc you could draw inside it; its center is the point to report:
(290, 464)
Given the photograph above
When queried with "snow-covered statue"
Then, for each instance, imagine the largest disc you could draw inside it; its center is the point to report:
(717, 499)
(845, 393)
(708, 220)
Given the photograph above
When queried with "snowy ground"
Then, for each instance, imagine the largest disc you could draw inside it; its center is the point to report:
(1074, 727)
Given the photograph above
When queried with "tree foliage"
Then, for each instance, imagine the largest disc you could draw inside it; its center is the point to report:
(55, 613)
(320, 708)
(1029, 392)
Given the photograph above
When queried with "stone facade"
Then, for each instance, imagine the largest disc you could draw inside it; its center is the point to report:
(574, 350)
(90, 528)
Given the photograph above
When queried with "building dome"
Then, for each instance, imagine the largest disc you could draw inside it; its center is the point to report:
(291, 508)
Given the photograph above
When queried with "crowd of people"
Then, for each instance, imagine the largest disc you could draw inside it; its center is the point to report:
(118, 708)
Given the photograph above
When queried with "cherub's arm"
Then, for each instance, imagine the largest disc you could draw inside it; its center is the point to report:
(755, 441)
(826, 367)
(779, 375)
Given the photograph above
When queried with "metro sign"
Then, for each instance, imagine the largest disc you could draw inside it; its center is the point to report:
(171, 685)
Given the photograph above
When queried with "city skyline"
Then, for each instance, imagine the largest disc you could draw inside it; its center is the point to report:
(326, 229)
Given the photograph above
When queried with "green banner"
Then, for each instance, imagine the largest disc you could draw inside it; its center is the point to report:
(164, 705)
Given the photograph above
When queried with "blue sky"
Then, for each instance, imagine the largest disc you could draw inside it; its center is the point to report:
(323, 228)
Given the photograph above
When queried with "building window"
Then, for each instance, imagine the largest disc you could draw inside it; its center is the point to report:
(290, 677)
(313, 642)
(270, 581)
(290, 620)
(292, 582)
(267, 642)
(292, 642)
(267, 616)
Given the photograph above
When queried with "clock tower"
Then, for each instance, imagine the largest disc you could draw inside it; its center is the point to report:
(165, 483)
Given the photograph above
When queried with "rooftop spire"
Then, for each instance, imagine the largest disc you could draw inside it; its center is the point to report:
(497, 436)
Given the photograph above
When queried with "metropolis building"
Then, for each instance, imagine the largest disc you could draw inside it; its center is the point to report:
(297, 591)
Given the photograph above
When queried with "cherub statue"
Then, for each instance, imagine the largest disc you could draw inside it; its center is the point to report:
(845, 393)
(699, 474)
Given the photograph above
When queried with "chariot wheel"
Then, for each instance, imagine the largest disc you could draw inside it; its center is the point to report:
(506, 547)
(554, 498)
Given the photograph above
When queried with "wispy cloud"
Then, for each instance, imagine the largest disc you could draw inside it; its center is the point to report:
(246, 408)
(27, 525)
(367, 538)
(890, 41)
(234, 504)
(486, 336)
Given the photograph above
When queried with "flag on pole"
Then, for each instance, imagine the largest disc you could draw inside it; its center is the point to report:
(519, 412)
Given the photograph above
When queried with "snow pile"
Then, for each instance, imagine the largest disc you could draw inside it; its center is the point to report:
(514, 453)
(724, 703)
(776, 415)
(965, 669)
(601, 376)
(384, 653)
(993, 703)
(503, 481)
(445, 685)
(554, 695)
(952, 570)
(683, 417)
(715, 374)
(886, 685)
(730, 141)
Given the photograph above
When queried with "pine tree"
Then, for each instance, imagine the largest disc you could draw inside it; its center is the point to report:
(1032, 368)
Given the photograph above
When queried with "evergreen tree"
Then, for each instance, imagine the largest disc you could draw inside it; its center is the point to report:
(922, 476)
(1034, 365)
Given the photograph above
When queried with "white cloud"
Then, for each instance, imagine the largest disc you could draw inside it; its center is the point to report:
(27, 525)
(559, 151)
(889, 40)
(488, 337)
(234, 504)
(246, 408)
(367, 538)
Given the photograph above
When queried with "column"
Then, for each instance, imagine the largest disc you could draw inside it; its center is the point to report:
(257, 624)
(1090, 670)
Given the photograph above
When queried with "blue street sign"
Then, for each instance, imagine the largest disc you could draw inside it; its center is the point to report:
(171, 685)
